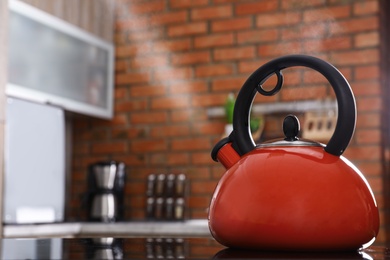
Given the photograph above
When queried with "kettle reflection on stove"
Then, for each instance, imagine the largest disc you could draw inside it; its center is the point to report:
(230, 253)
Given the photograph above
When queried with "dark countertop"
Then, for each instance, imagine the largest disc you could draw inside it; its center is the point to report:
(155, 248)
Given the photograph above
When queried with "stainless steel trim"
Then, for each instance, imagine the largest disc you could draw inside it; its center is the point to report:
(282, 142)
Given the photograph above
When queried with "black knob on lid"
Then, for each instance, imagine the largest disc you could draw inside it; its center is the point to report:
(291, 128)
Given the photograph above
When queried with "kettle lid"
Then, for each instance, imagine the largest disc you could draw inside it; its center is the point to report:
(291, 129)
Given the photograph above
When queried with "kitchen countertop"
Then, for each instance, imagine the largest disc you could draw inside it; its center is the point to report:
(188, 228)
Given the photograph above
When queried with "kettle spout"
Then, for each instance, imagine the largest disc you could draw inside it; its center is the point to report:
(224, 153)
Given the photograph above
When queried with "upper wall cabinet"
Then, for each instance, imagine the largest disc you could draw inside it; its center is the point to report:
(52, 61)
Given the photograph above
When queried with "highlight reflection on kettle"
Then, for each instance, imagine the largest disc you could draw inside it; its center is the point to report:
(291, 194)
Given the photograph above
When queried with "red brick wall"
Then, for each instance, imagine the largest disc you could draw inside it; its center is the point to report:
(175, 59)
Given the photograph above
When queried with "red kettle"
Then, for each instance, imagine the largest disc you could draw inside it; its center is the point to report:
(291, 194)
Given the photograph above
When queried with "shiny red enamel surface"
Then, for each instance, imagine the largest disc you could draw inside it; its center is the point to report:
(293, 198)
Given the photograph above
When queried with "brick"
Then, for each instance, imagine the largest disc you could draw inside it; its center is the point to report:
(293, 76)
(257, 36)
(279, 49)
(157, 145)
(139, 132)
(327, 13)
(119, 38)
(152, 61)
(213, 70)
(187, 3)
(128, 106)
(174, 102)
(188, 115)
(366, 88)
(137, 8)
(256, 7)
(233, 24)
(169, 131)
(119, 134)
(169, 18)
(368, 120)
(137, 202)
(80, 149)
(260, 99)
(203, 187)
(147, 90)
(249, 66)
(367, 72)
(236, 53)
(200, 202)
(171, 159)
(365, 7)
(172, 74)
(208, 100)
(188, 87)
(312, 77)
(150, 35)
(132, 24)
(311, 31)
(214, 40)
(354, 25)
(328, 44)
(200, 213)
(304, 93)
(131, 50)
(169, 46)
(370, 168)
(120, 93)
(201, 158)
(370, 104)
(212, 12)
(355, 57)
(119, 119)
(134, 188)
(190, 58)
(190, 144)
(277, 19)
(370, 39)
(376, 184)
(196, 172)
(104, 148)
(148, 117)
(228, 83)
(362, 153)
(131, 78)
(120, 66)
(301, 4)
(368, 136)
(99, 134)
(208, 128)
(187, 29)
(223, 1)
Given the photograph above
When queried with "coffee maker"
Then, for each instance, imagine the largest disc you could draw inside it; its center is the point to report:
(106, 183)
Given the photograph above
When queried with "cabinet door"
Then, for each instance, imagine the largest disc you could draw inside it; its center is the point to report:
(52, 61)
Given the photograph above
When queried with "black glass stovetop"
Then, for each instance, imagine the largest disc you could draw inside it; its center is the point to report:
(156, 248)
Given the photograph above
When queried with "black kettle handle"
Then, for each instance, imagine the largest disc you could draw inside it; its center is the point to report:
(241, 138)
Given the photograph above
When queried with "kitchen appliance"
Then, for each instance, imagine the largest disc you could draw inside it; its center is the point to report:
(166, 197)
(292, 194)
(106, 182)
(34, 172)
